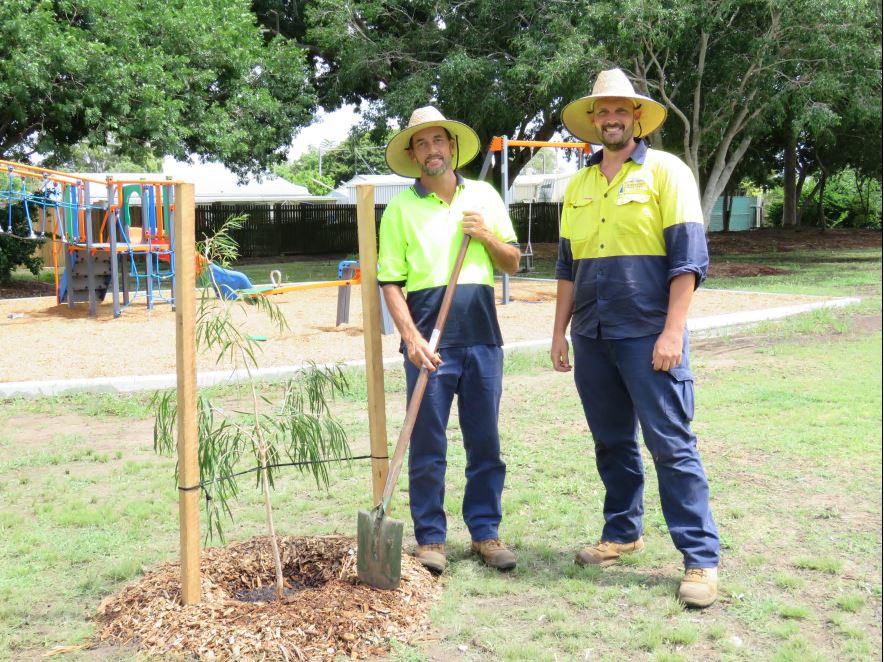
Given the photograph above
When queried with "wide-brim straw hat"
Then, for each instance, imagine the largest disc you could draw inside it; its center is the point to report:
(612, 83)
(466, 142)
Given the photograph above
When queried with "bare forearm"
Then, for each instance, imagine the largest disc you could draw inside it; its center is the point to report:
(398, 308)
(504, 257)
(681, 293)
(564, 306)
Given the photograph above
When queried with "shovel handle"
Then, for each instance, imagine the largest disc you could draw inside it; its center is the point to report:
(420, 387)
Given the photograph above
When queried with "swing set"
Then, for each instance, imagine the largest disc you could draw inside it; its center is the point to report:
(501, 145)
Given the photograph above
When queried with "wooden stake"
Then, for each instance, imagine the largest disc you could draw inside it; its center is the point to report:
(371, 327)
(185, 349)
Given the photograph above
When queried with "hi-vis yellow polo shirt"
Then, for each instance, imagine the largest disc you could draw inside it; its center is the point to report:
(419, 240)
(622, 243)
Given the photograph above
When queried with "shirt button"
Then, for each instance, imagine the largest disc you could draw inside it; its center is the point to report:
(606, 195)
(603, 220)
(602, 246)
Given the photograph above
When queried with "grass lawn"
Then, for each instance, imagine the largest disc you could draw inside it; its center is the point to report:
(789, 423)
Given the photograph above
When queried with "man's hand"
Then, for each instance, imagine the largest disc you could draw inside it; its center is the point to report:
(473, 224)
(420, 355)
(667, 350)
(558, 353)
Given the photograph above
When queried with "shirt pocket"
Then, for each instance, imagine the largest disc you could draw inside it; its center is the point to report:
(635, 214)
(584, 223)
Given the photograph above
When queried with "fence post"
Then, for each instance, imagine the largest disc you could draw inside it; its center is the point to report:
(371, 330)
(185, 350)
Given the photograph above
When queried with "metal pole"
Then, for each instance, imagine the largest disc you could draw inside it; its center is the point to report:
(505, 185)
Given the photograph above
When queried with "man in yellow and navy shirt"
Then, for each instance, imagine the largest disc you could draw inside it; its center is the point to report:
(421, 232)
(632, 251)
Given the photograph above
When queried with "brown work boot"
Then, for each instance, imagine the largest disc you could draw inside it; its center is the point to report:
(432, 557)
(494, 553)
(606, 552)
(699, 588)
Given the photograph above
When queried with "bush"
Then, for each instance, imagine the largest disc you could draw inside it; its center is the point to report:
(849, 202)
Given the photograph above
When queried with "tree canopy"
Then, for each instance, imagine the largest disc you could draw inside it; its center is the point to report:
(169, 78)
(724, 68)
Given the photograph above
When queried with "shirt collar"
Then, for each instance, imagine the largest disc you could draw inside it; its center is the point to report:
(638, 154)
(422, 191)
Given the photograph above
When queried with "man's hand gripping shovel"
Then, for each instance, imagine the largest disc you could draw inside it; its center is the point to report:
(379, 537)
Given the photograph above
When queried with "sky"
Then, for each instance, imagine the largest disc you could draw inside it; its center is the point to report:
(328, 126)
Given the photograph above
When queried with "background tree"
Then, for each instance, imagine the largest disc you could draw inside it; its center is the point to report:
(329, 165)
(196, 77)
(722, 68)
(501, 71)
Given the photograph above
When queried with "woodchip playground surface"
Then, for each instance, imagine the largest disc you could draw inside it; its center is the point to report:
(43, 341)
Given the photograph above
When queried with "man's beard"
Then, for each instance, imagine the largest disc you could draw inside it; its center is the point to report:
(617, 145)
(436, 170)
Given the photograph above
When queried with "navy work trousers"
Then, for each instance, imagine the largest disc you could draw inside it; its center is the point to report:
(620, 390)
(475, 375)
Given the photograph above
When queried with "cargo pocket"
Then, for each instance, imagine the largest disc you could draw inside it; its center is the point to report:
(680, 399)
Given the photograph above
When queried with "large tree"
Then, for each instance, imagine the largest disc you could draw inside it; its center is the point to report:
(178, 78)
(723, 67)
(504, 70)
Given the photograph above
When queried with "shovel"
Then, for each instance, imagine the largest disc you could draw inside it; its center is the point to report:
(379, 538)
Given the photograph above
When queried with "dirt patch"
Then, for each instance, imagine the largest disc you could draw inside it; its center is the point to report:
(784, 240)
(52, 342)
(332, 615)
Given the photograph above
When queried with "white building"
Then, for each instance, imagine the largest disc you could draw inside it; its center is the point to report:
(540, 188)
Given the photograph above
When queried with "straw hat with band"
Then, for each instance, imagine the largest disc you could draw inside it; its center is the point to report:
(613, 83)
(466, 142)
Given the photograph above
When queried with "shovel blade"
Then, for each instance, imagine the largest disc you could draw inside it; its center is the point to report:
(379, 549)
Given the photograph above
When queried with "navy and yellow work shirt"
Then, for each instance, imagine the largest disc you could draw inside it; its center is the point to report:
(622, 243)
(420, 237)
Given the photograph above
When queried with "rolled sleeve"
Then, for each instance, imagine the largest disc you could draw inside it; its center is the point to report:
(687, 251)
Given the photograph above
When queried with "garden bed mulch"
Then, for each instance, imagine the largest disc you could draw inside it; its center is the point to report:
(326, 613)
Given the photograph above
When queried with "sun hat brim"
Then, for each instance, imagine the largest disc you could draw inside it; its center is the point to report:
(466, 146)
(577, 116)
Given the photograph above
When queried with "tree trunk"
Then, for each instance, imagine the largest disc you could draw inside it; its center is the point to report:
(790, 200)
(726, 204)
(821, 212)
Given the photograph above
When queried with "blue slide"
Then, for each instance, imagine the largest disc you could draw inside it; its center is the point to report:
(228, 283)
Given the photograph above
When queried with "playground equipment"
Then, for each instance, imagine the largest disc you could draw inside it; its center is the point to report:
(501, 145)
(97, 242)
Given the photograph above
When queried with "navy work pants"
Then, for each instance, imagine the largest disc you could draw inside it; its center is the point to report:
(475, 375)
(620, 390)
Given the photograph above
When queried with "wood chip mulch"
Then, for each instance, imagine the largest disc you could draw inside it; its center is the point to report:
(326, 614)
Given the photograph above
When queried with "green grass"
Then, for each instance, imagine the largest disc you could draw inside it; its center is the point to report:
(295, 270)
(789, 426)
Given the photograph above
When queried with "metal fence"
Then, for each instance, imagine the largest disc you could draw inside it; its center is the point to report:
(273, 230)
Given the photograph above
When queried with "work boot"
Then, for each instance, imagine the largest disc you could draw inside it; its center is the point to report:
(699, 588)
(606, 552)
(495, 554)
(432, 557)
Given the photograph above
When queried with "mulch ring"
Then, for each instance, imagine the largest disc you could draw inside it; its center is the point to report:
(326, 612)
